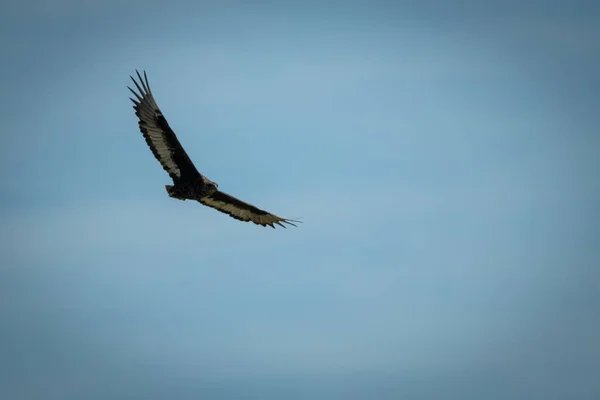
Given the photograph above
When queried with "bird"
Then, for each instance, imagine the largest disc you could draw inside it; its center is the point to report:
(188, 183)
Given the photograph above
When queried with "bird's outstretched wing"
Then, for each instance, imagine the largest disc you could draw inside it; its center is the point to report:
(243, 211)
(160, 137)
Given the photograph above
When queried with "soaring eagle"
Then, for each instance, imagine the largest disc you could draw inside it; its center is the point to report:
(188, 183)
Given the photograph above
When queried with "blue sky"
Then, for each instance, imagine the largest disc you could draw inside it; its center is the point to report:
(444, 160)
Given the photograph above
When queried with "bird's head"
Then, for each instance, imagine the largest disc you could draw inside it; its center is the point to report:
(210, 186)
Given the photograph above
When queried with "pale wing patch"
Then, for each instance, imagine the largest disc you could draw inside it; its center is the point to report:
(243, 214)
(156, 138)
(228, 208)
(148, 113)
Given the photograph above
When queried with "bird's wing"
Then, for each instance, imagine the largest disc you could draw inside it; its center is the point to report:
(243, 211)
(160, 137)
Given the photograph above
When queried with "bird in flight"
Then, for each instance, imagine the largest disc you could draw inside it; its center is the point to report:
(188, 183)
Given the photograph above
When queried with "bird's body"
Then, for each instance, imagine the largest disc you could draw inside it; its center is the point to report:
(188, 183)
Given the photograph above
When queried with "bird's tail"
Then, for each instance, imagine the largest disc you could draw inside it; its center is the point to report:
(173, 192)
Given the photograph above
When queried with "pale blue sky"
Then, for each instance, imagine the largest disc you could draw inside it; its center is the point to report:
(444, 158)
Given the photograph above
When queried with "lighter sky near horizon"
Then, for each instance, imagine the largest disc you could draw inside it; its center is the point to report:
(444, 162)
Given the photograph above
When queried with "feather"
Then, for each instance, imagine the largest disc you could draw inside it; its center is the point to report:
(243, 211)
(158, 134)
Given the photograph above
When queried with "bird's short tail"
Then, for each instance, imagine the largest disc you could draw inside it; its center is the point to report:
(173, 193)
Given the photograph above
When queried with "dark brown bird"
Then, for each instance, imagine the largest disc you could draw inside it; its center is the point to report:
(188, 183)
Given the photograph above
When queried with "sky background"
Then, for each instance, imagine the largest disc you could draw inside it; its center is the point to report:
(444, 158)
